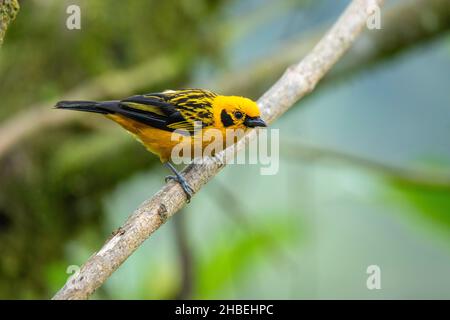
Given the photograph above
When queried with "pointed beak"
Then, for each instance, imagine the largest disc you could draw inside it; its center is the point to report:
(253, 122)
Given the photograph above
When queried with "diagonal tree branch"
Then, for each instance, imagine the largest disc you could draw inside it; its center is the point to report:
(298, 80)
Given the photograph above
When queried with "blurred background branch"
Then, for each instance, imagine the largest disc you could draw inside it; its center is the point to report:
(38, 117)
(186, 256)
(296, 150)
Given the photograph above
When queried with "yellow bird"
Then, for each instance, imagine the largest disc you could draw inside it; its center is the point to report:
(152, 118)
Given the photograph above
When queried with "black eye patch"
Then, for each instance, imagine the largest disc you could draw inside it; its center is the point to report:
(226, 119)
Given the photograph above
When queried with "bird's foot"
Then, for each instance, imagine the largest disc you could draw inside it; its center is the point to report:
(184, 185)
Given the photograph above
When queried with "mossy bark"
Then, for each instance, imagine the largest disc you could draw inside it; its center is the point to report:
(8, 12)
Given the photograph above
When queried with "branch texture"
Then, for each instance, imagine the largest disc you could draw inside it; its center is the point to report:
(298, 80)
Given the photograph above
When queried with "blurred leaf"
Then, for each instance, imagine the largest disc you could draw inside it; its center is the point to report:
(432, 204)
(235, 253)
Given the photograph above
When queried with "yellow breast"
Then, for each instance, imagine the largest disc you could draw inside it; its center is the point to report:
(162, 142)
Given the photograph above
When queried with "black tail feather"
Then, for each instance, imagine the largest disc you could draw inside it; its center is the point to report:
(88, 106)
(116, 107)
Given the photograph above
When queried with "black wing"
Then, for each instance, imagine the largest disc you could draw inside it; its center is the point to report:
(153, 110)
(185, 109)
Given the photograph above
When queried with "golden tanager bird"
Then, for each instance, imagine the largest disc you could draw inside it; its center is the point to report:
(152, 118)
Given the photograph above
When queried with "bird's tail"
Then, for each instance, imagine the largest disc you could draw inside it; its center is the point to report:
(106, 107)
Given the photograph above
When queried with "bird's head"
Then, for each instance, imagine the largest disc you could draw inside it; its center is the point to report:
(232, 112)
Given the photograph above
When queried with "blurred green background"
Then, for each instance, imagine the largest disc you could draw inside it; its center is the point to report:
(364, 176)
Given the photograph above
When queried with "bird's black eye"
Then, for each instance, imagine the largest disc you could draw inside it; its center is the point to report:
(238, 115)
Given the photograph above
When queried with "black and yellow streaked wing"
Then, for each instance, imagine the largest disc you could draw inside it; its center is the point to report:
(171, 110)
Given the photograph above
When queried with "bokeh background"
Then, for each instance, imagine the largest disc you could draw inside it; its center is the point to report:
(364, 176)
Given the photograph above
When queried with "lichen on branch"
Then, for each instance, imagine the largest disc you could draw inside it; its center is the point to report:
(8, 12)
